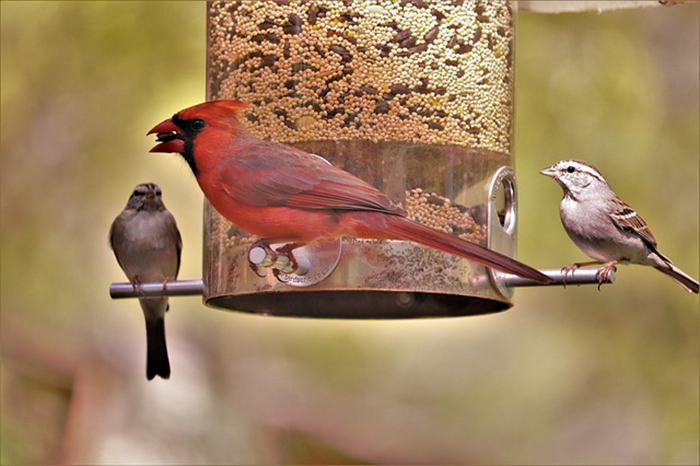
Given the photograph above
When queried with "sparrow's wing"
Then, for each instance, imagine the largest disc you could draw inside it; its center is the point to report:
(282, 176)
(625, 218)
(113, 240)
(172, 226)
(179, 251)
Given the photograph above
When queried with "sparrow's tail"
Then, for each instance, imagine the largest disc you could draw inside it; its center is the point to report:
(402, 228)
(684, 280)
(157, 362)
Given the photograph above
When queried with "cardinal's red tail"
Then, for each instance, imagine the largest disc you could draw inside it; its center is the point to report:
(402, 228)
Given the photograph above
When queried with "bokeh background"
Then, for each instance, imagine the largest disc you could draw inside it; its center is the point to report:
(569, 376)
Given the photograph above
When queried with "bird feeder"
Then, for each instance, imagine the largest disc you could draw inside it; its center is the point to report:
(414, 97)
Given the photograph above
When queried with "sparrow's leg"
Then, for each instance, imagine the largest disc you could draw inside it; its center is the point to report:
(605, 271)
(165, 284)
(136, 284)
(165, 288)
(571, 268)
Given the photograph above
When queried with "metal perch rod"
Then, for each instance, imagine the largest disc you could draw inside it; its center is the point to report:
(577, 277)
(172, 288)
(196, 287)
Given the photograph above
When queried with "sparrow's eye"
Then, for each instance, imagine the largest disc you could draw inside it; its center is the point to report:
(197, 124)
(570, 169)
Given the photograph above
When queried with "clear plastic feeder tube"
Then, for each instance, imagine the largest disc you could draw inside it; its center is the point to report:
(414, 97)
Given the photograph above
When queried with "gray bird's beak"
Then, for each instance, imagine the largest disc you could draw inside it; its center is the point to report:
(549, 171)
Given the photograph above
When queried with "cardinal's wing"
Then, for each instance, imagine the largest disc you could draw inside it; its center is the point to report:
(267, 174)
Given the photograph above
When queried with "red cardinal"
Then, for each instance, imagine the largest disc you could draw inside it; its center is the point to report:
(285, 195)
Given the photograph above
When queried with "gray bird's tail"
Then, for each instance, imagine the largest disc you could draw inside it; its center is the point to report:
(157, 362)
(683, 280)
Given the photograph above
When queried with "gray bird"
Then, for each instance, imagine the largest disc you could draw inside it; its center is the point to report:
(603, 226)
(147, 243)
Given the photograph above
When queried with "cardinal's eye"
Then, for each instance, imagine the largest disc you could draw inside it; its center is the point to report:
(570, 169)
(197, 124)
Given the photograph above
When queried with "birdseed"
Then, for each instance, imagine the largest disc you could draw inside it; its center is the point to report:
(425, 71)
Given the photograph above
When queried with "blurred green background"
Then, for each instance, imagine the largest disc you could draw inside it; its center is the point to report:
(569, 376)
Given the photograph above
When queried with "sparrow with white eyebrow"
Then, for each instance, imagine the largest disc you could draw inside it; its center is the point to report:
(605, 227)
(147, 243)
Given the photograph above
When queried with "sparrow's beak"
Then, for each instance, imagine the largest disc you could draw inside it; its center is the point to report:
(549, 171)
(151, 193)
(169, 136)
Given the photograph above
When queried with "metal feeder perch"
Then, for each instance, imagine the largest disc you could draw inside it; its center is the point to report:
(415, 98)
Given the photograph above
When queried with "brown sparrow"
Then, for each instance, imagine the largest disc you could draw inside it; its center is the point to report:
(605, 227)
(147, 244)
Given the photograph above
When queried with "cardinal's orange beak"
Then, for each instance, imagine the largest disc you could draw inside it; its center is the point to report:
(169, 137)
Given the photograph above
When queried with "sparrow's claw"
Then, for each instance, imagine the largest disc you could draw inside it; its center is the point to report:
(573, 267)
(569, 269)
(136, 284)
(604, 272)
(166, 280)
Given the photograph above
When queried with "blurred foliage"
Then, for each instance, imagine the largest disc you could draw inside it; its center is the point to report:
(570, 376)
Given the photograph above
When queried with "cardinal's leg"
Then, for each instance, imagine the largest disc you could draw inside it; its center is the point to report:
(281, 259)
(266, 258)
(287, 251)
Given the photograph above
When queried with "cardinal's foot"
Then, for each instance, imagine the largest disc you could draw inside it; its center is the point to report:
(286, 251)
(260, 254)
(280, 260)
